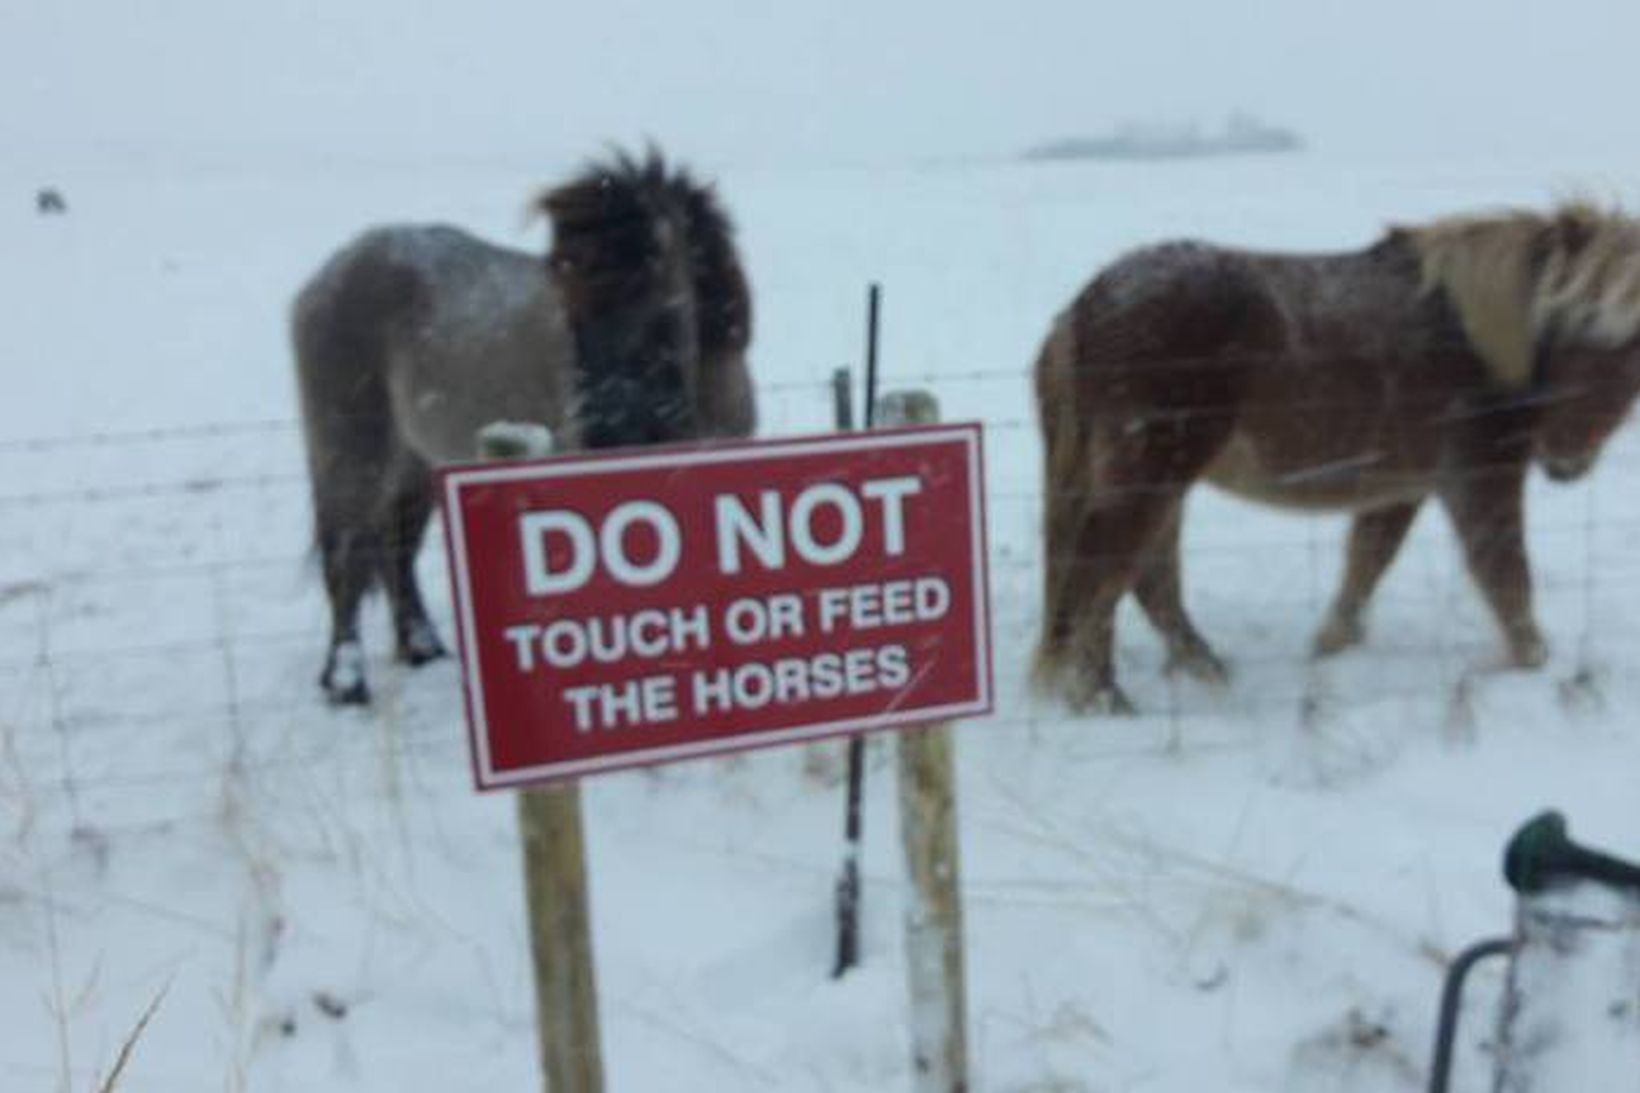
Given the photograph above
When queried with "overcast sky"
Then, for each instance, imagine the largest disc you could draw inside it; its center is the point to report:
(815, 82)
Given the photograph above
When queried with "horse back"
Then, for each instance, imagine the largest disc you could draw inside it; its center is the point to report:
(1167, 328)
(1315, 380)
(417, 336)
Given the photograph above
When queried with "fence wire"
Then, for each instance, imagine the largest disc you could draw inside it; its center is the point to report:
(248, 678)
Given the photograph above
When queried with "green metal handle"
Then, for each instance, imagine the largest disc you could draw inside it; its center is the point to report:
(1541, 854)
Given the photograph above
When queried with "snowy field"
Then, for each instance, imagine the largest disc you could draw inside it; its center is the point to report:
(1253, 889)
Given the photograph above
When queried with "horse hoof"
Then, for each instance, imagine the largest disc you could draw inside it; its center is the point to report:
(1047, 673)
(1529, 652)
(1106, 701)
(1200, 664)
(356, 693)
(420, 645)
(1112, 701)
(343, 678)
(1337, 636)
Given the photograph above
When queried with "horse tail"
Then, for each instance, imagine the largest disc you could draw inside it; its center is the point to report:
(624, 261)
(340, 323)
(1066, 482)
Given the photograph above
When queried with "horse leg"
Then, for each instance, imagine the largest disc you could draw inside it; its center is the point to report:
(1159, 594)
(1098, 558)
(1108, 560)
(1488, 511)
(349, 558)
(406, 524)
(1132, 492)
(1375, 538)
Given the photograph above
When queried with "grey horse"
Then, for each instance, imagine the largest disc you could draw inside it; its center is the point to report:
(632, 330)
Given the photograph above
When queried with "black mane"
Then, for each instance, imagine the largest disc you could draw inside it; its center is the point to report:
(604, 241)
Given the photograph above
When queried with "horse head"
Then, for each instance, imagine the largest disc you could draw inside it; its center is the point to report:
(1587, 392)
(645, 260)
(1587, 306)
(1551, 304)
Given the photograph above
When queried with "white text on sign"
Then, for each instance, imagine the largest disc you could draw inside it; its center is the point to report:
(873, 516)
(656, 634)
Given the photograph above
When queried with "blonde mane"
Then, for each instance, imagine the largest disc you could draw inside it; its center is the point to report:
(1516, 276)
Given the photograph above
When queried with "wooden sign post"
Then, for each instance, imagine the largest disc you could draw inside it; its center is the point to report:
(928, 833)
(555, 887)
(644, 606)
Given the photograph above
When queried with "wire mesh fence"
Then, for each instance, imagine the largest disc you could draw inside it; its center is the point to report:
(161, 578)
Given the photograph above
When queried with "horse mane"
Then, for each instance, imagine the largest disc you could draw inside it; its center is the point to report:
(1518, 277)
(724, 300)
(603, 221)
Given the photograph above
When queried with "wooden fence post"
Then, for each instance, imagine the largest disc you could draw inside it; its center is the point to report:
(842, 400)
(555, 885)
(928, 831)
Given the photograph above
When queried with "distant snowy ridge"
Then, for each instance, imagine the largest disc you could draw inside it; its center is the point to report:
(1242, 134)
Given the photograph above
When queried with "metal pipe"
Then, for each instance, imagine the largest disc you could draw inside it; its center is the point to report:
(1446, 1027)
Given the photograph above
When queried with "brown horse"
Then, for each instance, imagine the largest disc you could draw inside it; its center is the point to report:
(1439, 362)
(412, 338)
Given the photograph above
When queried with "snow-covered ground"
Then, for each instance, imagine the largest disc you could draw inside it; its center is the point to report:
(1244, 890)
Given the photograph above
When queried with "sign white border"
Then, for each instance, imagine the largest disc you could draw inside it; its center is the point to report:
(582, 463)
